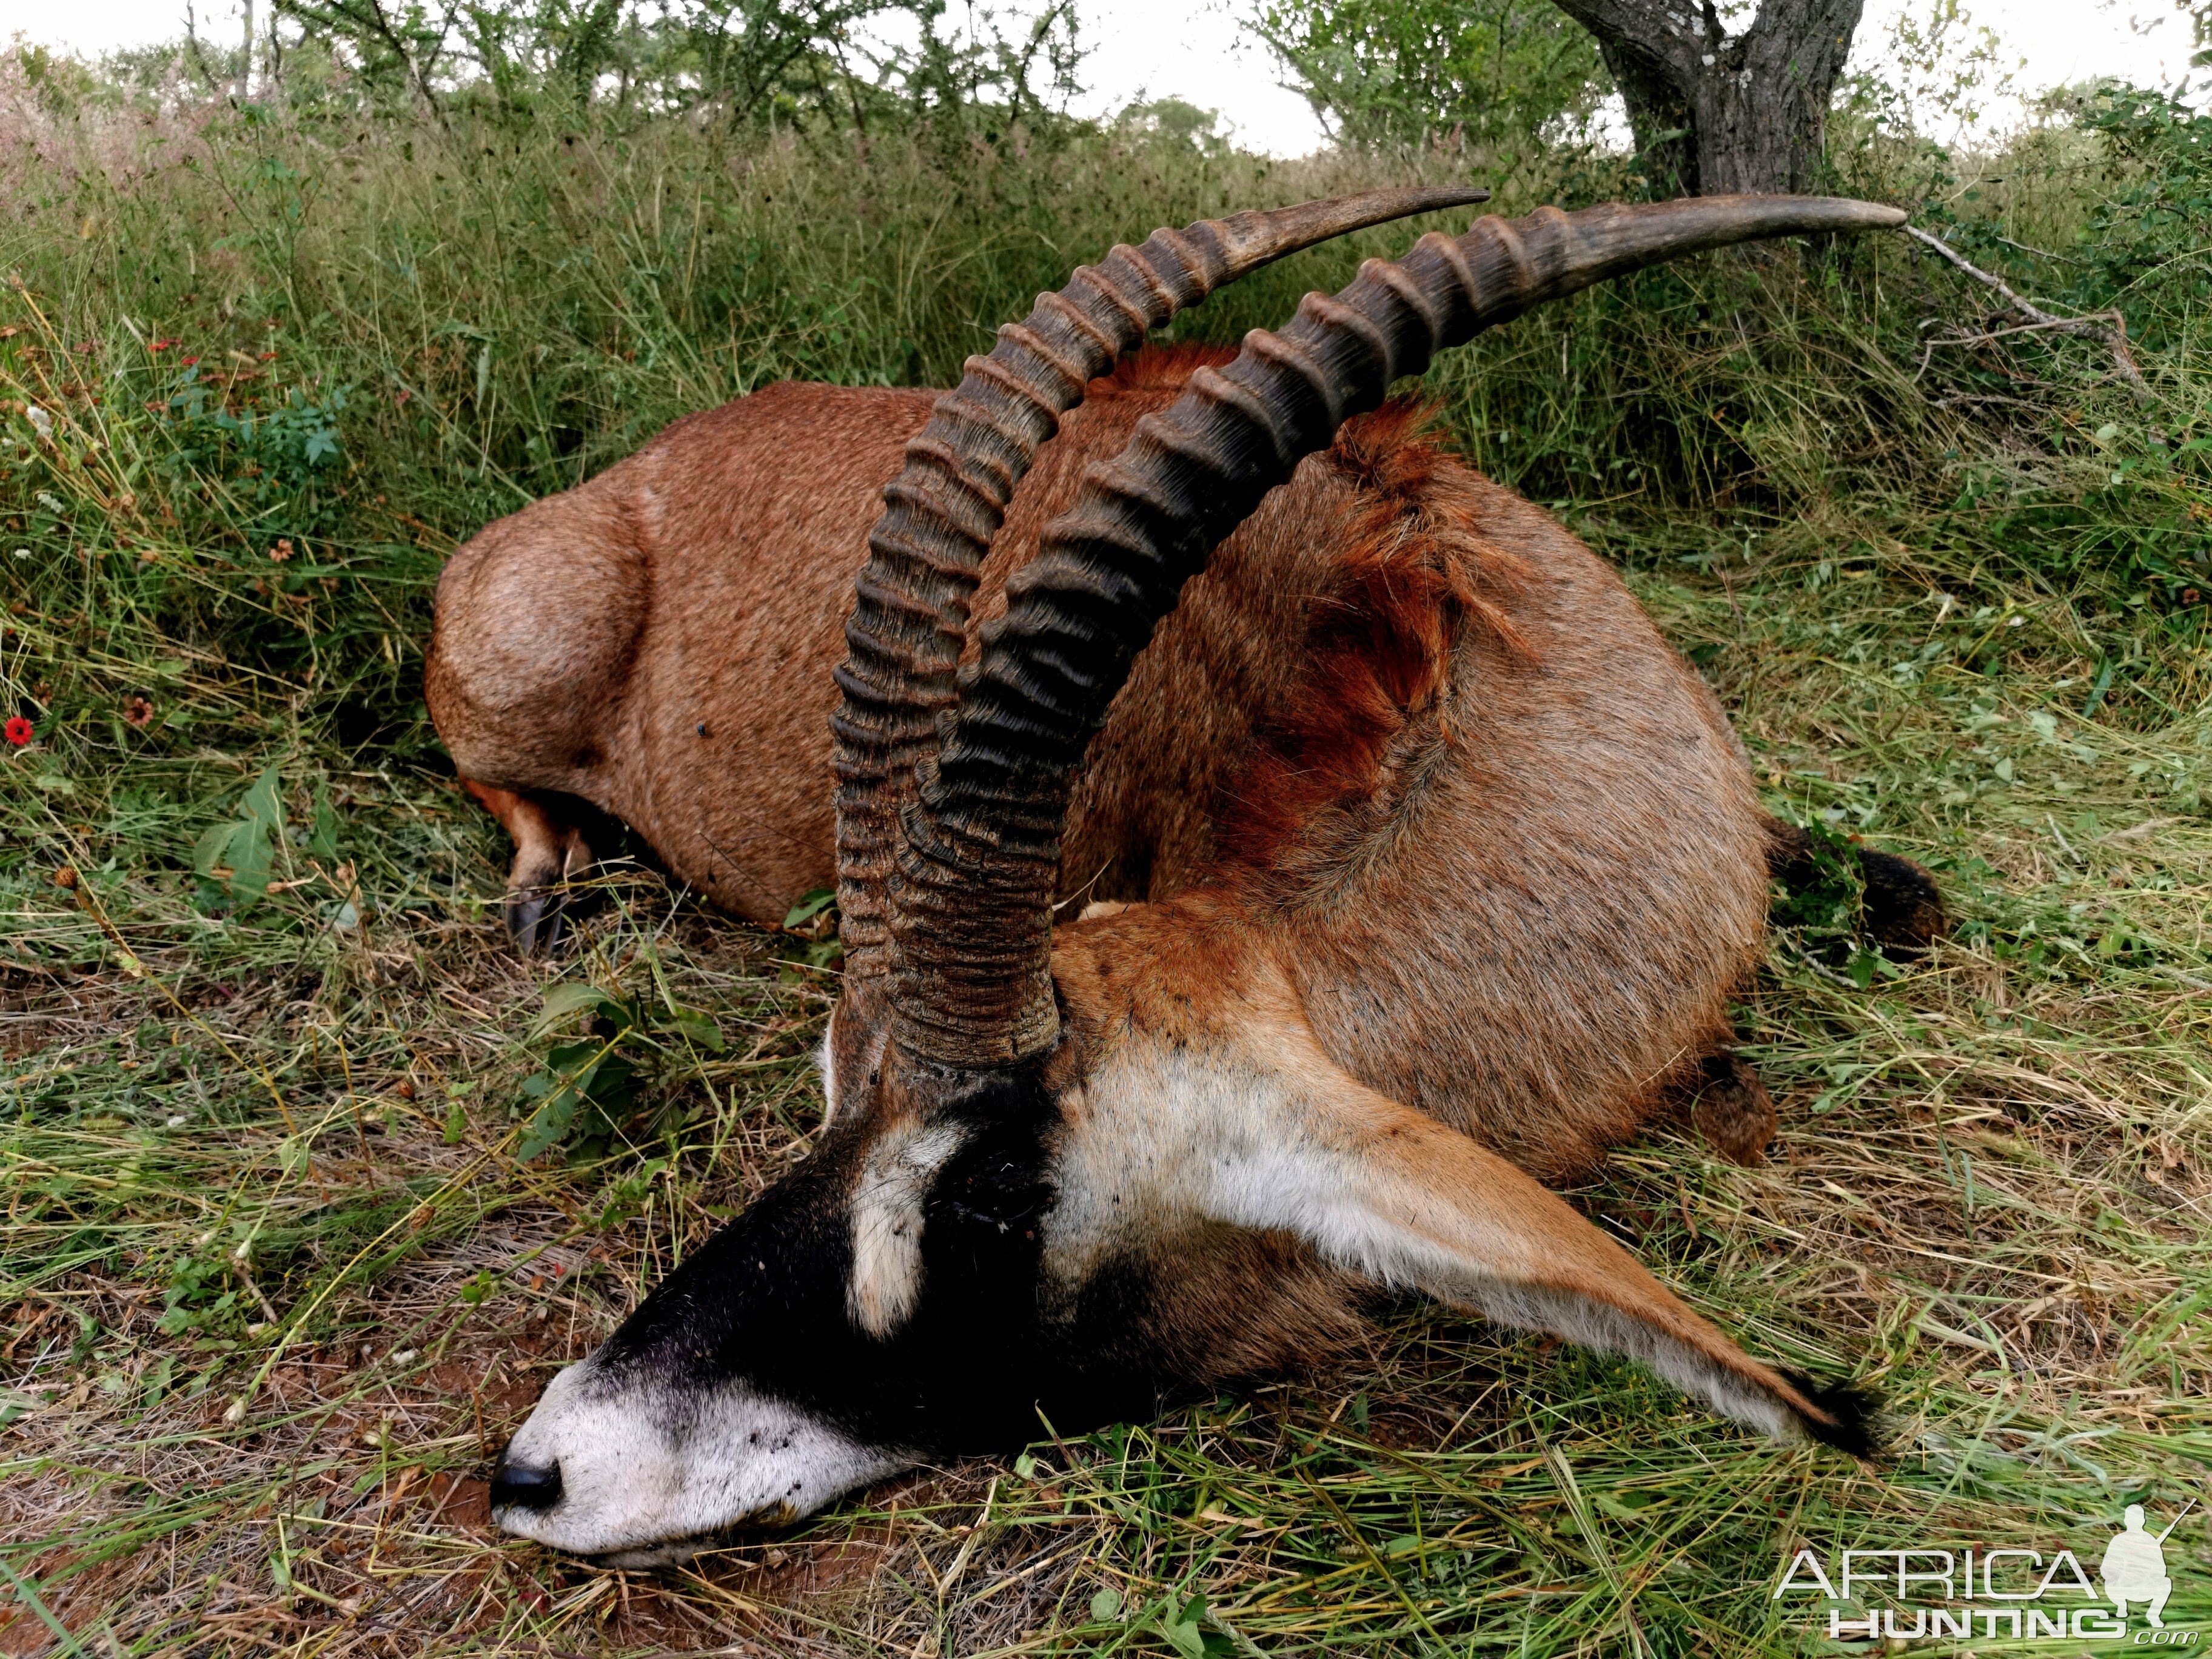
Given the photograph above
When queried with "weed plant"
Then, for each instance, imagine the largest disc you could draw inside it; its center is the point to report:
(289, 1249)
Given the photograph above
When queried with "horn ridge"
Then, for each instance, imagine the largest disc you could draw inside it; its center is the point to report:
(979, 855)
(910, 613)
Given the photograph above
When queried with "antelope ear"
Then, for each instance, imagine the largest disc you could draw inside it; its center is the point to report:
(1381, 1190)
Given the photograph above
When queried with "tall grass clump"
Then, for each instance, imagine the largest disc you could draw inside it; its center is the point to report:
(293, 1240)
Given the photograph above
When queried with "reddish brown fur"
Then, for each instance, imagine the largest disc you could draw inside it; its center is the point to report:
(1204, 976)
(545, 847)
(1377, 646)
(1499, 832)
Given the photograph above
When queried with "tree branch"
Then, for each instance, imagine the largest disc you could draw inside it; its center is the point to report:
(2110, 326)
(1650, 29)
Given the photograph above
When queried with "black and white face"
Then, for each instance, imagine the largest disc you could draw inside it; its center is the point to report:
(881, 1305)
(918, 1287)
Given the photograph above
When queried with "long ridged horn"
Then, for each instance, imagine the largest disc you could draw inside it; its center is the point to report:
(910, 615)
(970, 986)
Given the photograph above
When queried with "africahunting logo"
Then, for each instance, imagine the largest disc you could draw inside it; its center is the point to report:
(2013, 1594)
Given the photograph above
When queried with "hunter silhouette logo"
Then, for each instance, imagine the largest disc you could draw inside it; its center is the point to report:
(2023, 1594)
(2134, 1568)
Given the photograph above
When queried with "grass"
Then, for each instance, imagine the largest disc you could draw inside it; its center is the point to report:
(275, 1283)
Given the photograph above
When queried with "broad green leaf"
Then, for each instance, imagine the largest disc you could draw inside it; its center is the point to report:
(262, 803)
(699, 1030)
(564, 1001)
(1183, 1634)
(210, 851)
(245, 846)
(251, 858)
(561, 1088)
(547, 1125)
(810, 906)
(573, 1062)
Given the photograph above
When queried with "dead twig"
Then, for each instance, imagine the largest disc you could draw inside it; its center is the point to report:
(2107, 325)
(2041, 252)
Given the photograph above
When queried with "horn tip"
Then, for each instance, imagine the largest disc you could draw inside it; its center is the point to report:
(1866, 215)
(1848, 213)
(1425, 198)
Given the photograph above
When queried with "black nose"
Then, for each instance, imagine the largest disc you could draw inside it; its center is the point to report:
(518, 1486)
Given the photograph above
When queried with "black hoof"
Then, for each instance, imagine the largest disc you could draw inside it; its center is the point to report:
(537, 920)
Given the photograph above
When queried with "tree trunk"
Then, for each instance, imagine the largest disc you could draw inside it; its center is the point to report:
(1716, 113)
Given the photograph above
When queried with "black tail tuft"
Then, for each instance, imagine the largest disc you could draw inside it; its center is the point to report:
(1903, 909)
(1899, 905)
(1851, 1410)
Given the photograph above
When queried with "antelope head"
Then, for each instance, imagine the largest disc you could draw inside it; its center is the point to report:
(1068, 1171)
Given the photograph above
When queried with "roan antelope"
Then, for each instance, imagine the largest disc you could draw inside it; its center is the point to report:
(1439, 868)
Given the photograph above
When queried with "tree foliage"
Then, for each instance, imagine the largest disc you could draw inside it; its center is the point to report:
(1502, 76)
(741, 64)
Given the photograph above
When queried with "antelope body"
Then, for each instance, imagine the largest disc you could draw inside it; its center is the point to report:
(1286, 719)
(1428, 868)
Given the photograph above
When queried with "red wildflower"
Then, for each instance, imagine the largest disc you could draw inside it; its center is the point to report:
(160, 346)
(186, 362)
(138, 711)
(19, 731)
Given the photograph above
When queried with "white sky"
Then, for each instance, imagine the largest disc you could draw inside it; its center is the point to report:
(1195, 48)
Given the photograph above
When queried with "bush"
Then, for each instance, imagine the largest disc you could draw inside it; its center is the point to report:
(285, 358)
